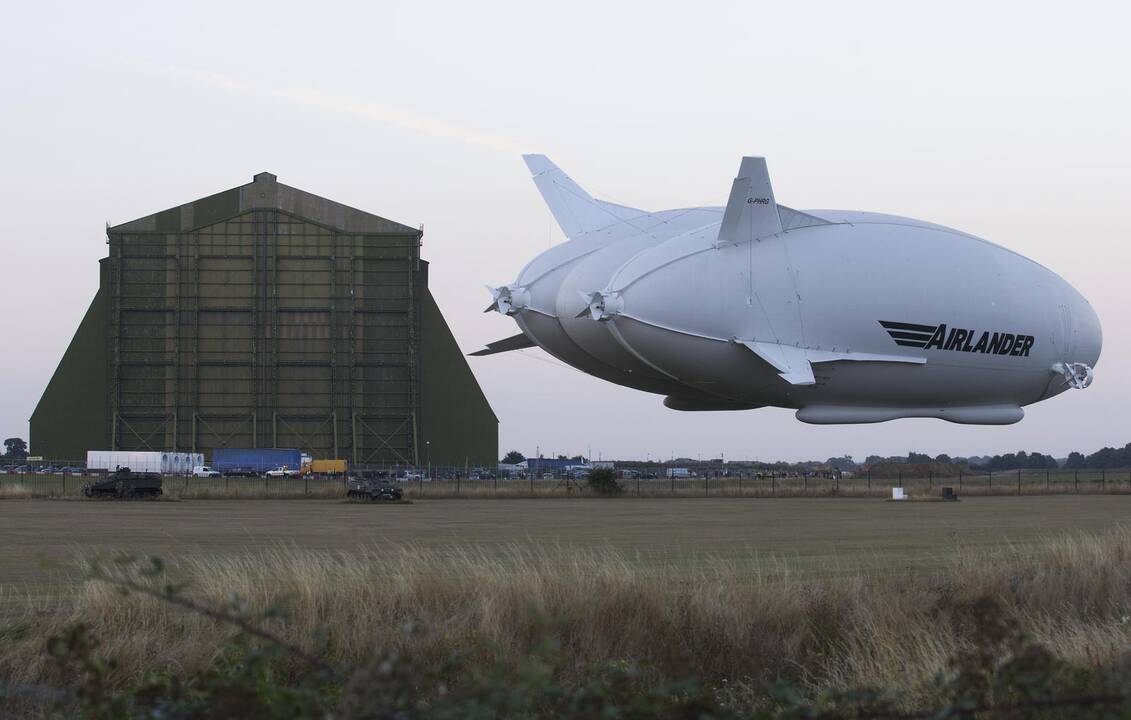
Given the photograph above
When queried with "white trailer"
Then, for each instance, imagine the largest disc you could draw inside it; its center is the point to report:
(170, 463)
(678, 473)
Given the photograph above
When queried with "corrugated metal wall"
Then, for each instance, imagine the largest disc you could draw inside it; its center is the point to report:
(265, 330)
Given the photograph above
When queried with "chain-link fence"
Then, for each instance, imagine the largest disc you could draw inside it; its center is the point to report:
(63, 479)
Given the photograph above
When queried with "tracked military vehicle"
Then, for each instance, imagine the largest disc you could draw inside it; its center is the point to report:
(123, 484)
(373, 487)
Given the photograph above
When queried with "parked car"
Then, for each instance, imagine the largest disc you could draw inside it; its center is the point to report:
(283, 471)
(205, 471)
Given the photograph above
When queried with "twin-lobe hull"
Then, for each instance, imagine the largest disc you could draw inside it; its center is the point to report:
(844, 316)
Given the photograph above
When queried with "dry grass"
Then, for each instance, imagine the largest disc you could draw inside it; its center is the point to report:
(15, 491)
(748, 621)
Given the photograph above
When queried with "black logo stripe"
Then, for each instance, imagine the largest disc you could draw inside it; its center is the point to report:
(912, 343)
(929, 329)
(900, 335)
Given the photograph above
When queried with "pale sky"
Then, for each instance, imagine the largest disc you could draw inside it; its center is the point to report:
(1011, 121)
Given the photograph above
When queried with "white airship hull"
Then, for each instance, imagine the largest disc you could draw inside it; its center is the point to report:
(847, 317)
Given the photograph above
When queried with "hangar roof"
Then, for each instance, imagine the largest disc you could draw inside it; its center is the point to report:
(264, 192)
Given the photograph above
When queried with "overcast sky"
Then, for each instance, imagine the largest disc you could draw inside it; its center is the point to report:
(1011, 121)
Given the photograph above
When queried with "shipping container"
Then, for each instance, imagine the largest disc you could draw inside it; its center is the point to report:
(169, 463)
(325, 467)
(255, 461)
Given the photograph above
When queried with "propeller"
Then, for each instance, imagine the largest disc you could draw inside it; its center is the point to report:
(508, 299)
(1077, 375)
(601, 305)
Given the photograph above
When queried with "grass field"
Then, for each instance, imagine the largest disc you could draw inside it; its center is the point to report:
(825, 593)
(39, 538)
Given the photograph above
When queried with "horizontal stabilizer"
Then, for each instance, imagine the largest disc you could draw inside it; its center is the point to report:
(795, 364)
(514, 342)
(576, 211)
(751, 210)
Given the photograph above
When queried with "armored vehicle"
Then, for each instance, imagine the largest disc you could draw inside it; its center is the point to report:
(371, 487)
(125, 485)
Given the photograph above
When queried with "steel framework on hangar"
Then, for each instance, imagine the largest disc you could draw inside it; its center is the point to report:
(265, 316)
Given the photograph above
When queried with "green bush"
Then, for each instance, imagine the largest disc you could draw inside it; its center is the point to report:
(603, 481)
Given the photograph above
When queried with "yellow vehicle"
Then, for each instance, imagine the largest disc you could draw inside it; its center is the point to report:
(325, 467)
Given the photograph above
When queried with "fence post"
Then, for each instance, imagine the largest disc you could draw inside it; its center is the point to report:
(1018, 482)
(496, 482)
(1046, 480)
(306, 484)
(959, 481)
(773, 485)
(673, 484)
(457, 481)
(1103, 480)
(869, 481)
(531, 484)
(740, 484)
(638, 485)
(836, 485)
(706, 479)
(1076, 480)
(420, 483)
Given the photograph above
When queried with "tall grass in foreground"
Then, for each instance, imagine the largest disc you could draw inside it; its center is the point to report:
(741, 624)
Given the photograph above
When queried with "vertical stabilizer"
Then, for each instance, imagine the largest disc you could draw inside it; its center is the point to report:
(751, 210)
(576, 211)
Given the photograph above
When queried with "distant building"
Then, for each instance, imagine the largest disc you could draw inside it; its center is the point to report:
(540, 466)
(265, 316)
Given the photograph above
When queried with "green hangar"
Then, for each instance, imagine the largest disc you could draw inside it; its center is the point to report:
(265, 316)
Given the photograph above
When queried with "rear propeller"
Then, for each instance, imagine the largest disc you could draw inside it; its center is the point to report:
(508, 299)
(601, 306)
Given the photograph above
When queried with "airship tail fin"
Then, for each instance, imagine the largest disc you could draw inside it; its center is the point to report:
(751, 210)
(576, 211)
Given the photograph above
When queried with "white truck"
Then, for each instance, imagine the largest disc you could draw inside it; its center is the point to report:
(204, 471)
(678, 473)
(167, 463)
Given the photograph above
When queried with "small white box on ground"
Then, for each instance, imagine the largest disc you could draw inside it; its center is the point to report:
(897, 494)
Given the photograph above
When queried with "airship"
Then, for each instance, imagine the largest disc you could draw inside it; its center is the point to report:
(844, 316)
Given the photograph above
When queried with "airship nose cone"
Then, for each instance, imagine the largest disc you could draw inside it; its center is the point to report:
(1091, 334)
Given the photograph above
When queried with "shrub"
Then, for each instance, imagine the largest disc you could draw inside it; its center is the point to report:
(603, 481)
